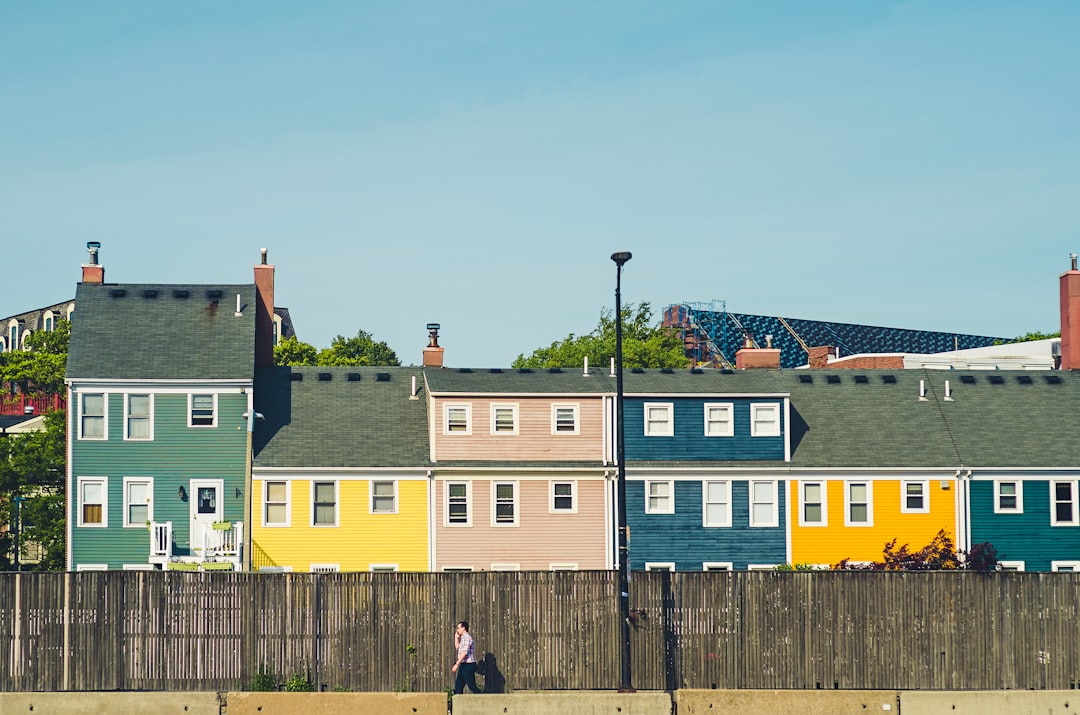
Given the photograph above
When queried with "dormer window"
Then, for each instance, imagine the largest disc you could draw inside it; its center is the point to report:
(457, 419)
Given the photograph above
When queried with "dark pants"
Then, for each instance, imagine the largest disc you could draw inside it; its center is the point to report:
(466, 675)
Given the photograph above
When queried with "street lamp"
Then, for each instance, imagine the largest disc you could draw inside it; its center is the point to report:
(625, 686)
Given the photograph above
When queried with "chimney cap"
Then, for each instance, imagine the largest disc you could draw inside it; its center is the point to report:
(433, 326)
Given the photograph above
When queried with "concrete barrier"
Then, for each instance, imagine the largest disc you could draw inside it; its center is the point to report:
(804, 702)
(337, 703)
(990, 702)
(93, 703)
(568, 702)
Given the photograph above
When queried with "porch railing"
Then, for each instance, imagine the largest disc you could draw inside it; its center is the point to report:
(19, 404)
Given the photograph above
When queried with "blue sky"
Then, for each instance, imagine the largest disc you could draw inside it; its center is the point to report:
(906, 164)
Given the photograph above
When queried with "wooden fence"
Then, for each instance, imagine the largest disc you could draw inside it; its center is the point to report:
(540, 630)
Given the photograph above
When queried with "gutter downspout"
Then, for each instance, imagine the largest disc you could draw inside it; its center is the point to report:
(248, 532)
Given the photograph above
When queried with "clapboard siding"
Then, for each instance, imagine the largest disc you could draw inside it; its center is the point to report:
(689, 441)
(1027, 537)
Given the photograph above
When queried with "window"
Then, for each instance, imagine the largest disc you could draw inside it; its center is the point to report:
(915, 497)
(324, 503)
(505, 566)
(659, 566)
(814, 511)
(139, 417)
(764, 419)
(13, 335)
(457, 569)
(564, 419)
(1063, 504)
(716, 566)
(563, 497)
(93, 420)
(1010, 565)
(138, 501)
(276, 504)
(1008, 497)
(91, 567)
(457, 419)
(1065, 566)
(761, 567)
(659, 497)
(504, 419)
(858, 509)
(719, 421)
(93, 502)
(275, 569)
(384, 497)
(716, 503)
(383, 568)
(457, 503)
(564, 566)
(763, 507)
(138, 567)
(504, 499)
(50, 321)
(202, 410)
(658, 421)
(324, 568)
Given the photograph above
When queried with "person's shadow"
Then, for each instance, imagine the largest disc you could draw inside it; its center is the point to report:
(494, 682)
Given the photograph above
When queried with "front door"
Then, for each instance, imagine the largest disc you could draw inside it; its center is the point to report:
(206, 510)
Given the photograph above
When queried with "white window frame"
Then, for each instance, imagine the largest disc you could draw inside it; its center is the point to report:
(1073, 501)
(869, 502)
(497, 407)
(371, 496)
(1019, 508)
(669, 508)
(128, 417)
(149, 482)
(468, 504)
(91, 567)
(191, 410)
(515, 503)
(1010, 565)
(505, 566)
(725, 518)
(383, 568)
(666, 428)
(457, 569)
(774, 519)
(575, 408)
(104, 483)
(660, 566)
(727, 425)
(824, 503)
(772, 429)
(337, 503)
(717, 566)
(266, 502)
(48, 321)
(138, 567)
(563, 566)
(466, 409)
(553, 508)
(104, 416)
(324, 568)
(275, 569)
(761, 567)
(925, 508)
(1067, 566)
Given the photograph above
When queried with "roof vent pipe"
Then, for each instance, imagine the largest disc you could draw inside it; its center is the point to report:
(586, 371)
(412, 390)
(613, 367)
(239, 313)
(948, 391)
(922, 390)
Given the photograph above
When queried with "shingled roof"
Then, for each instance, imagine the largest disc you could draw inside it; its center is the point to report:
(162, 332)
(524, 381)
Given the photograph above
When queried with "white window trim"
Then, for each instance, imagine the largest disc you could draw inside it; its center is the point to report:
(505, 406)
(371, 496)
(717, 566)
(467, 407)
(105, 417)
(104, 481)
(1019, 496)
(127, 417)
(505, 566)
(91, 567)
(468, 505)
(668, 429)
(824, 521)
(48, 321)
(774, 519)
(869, 503)
(727, 407)
(1075, 521)
(382, 568)
(337, 503)
(573, 496)
(275, 569)
(555, 407)
(725, 521)
(459, 569)
(670, 499)
(138, 567)
(659, 565)
(774, 430)
(495, 505)
(1010, 565)
(149, 482)
(190, 407)
(761, 567)
(324, 568)
(563, 566)
(904, 509)
(288, 504)
(1072, 566)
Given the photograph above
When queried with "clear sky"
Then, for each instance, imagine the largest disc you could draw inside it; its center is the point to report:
(907, 164)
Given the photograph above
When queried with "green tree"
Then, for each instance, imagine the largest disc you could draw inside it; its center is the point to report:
(1027, 337)
(40, 368)
(291, 351)
(32, 466)
(361, 350)
(644, 344)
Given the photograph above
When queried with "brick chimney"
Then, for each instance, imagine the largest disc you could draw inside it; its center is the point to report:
(819, 355)
(1070, 318)
(93, 272)
(750, 357)
(264, 313)
(433, 354)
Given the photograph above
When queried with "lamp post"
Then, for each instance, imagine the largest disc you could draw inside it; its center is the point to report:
(625, 686)
(18, 527)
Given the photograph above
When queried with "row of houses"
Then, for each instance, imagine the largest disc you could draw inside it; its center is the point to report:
(189, 449)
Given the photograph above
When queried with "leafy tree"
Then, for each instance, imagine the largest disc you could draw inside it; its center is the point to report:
(291, 351)
(644, 344)
(361, 350)
(1026, 337)
(40, 368)
(32, 465)
(939, 555)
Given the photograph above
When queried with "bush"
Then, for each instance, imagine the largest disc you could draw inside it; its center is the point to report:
(263, 680)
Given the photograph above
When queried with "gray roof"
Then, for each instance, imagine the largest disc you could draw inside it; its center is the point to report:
(514, 381)
(340, 422)
(150, 331)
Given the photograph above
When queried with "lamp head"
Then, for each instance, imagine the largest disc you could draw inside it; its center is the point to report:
(621, 257)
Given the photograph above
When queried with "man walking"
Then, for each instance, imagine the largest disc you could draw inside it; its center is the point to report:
(465, 665)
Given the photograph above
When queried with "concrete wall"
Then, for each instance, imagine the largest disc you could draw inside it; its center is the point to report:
(83, 703)
(805, 702)
(990, 702)
(336, 703)
(580, 702)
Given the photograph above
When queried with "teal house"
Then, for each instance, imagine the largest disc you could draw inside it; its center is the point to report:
(160, 382)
